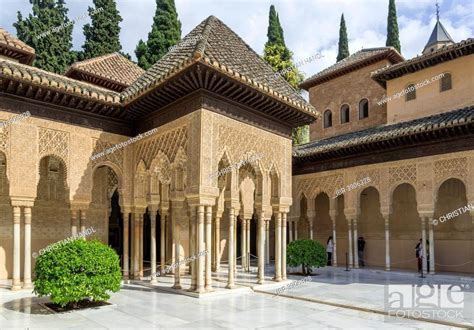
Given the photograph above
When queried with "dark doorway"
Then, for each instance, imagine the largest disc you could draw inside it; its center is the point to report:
(116, 225)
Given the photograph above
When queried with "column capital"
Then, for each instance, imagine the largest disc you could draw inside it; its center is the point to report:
(22, 201)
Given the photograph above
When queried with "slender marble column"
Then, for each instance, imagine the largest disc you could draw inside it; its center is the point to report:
(83, 223)
(177, 243)
(141, 246)
(296, 230)
(27, 265)
(356, 249)
(261, 249)
(423, 237)
(208, 234)
(349, 236)
(311, 229)
(283, 246)
(163, 243)
(247, 244)
(431, 247)
(218, 244)
(132, 245)
(201, 247)
(290, 229)
(136, 246)
(243, 241)
(334, 255)
(387, 243)
(153, 245)
(193, 248)
(16, 248)
(235, 245)
(230, 250)
(278, 248)
(73, 223)
(267, 241)
(125, 245)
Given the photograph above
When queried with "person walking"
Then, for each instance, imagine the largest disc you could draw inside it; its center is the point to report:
(419, 254)
(329, 250)
(360, 251)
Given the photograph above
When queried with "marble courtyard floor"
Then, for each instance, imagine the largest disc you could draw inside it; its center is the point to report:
(140, 305)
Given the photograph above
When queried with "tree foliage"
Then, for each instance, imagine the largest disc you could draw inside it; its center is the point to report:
(77, 270)
(49, 31)
(165, 33)
(280, 58)
(343, 51)
(392, 27)
(103, 34)
(306, 253)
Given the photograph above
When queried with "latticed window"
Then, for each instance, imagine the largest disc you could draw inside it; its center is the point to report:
(445, 83)
(411, 93)
(327, 119)
(344, 114)
(363, 109)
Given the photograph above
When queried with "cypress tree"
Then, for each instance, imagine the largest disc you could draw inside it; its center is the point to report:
(280, 59)
(49, 31)
(165, 32)
(103, 34)
(343, 42)
(275, 31)
(392, 27)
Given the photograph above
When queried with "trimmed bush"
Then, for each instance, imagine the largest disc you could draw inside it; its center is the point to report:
(307, 253)
(76, 271)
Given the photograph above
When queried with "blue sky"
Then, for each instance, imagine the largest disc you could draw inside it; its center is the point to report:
(310, 26)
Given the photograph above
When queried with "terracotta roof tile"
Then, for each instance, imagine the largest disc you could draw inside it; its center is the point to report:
(386, 132)
(359, 57)
(215, 44)
(113, 67)
(11, 46)
(22, 72)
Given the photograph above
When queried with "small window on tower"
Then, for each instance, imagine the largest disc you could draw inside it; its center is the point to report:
(344, 114)
(445, 83)
(327, 119)
(363, 109)
(410, 93)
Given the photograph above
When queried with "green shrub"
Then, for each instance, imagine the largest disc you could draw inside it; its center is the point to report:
(307, 253)
(76, 271)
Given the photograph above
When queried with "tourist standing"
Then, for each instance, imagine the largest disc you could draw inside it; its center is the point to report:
(419, 253)
(329, 250)
(360, 251)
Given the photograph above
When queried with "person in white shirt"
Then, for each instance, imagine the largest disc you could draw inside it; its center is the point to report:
(329, 250)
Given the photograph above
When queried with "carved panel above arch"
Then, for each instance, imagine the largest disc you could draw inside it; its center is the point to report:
(242, 143)
(373, 174)
(168, 143)
(4, 136)
(54, 142)
(311, 187)
(100, 146)
(455, 167)
(406, 173)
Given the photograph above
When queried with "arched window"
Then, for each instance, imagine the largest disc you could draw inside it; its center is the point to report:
(344, 114)
(327, 119)
(410, 93)
(445, 83)
(363, 109)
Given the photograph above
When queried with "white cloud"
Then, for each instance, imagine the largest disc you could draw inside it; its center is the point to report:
(309, 26)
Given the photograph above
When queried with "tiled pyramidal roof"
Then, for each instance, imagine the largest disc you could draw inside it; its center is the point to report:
(215, 44)
(387, 132)
(114, 68)
(358, 58)
(11, 46)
